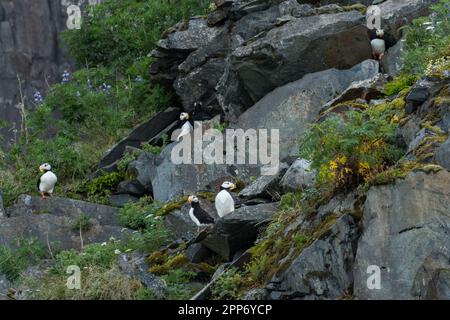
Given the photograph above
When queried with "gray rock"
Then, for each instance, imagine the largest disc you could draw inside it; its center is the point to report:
(144, 169)
(299, 176)
(172, 179)
(302, 101)
(198, 253)
(239, 229)
(324, 269)
(29, 47)
(142, 133)
(392, 62)
(256, 294)
(134, 265)
(52, 221)
(395, 14)
(133, 188)
(273, 60)
(443, 155)
(180, 224)
(119, 200)
(265, 186)
(364, 90)
(404, 224)
(432, 279)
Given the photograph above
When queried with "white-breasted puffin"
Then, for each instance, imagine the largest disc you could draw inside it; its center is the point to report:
(46, 183)
(200, 217)
(224, 201)
(186, 125)
(378, 43)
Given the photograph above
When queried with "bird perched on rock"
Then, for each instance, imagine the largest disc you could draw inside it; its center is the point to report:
(200, 217)
(224, 201)
(46, 183)
(186, 125)
(378, 43)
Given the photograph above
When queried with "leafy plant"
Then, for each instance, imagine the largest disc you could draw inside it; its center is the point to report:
(350, 150)
(227, 285)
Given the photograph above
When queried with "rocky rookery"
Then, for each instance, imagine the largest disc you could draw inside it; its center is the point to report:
(231, 147)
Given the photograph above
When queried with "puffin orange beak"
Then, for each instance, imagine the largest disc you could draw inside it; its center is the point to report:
(40, 169)
(233, 186)
(189, 200)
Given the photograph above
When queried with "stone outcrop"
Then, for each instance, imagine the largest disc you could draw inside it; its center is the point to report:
(54, 221)
(404, 224)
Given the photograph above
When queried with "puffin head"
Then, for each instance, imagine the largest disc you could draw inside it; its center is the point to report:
(380, 33)
(227, 185)
(192, 199)
(45, 167)
(184, 116)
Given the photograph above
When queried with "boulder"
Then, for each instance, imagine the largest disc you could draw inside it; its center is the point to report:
(264, 186)
(53, 222)
(142, 133)
(172, 179)
(292, 107)
(134, 265)
(239, 229)
(397, 13)
(119, 200)
(432, 279)
(324, 269)
(404, 223)
(392, 62)
(144, 169)
(198, 253)
(442, 156)
(420, 92)
(299, 176)
(133, 187)
(364, 90)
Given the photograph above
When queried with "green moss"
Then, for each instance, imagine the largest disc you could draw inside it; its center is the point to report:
(171, 206)
(399, 84)
(428, 125)
(356, 7)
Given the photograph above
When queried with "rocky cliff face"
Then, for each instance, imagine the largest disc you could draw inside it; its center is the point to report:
(30, 48)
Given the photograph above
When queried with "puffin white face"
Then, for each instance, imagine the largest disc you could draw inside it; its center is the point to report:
(184, 116)
(193, 199)
(228, 185)
(380, 33)
(45, 167)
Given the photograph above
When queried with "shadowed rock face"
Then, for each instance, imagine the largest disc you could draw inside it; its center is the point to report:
(405, 225)
(30, 48)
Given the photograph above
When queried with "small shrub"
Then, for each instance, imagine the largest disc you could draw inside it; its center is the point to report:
(399, 84)
(83, 223)
(346, 152)
(227, 285)
(14, 261)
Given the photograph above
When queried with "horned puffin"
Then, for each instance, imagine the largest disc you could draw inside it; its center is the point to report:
(186, 125)
(224, 201)
(378, 43)
(200, 217)
(46, 183)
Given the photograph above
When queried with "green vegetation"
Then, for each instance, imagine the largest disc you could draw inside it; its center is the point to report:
(13, 262)
(227, 285)
(428, 41)
(346, 152)
(399, 84)
(92, 108)
(82, 223)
